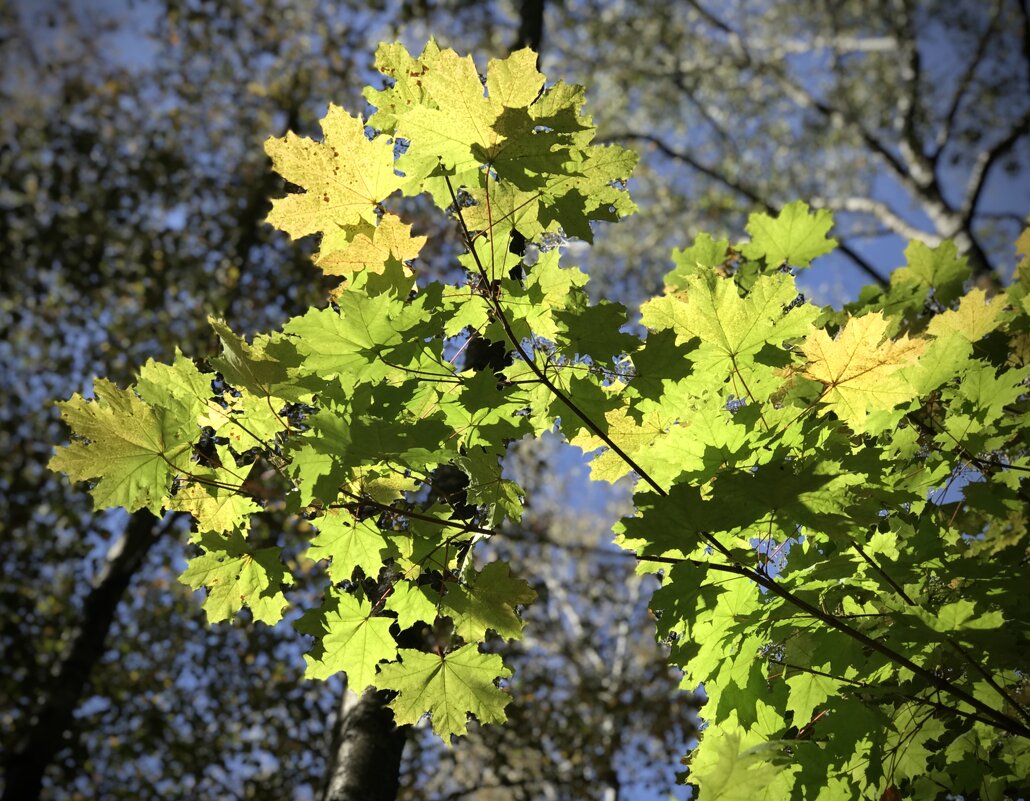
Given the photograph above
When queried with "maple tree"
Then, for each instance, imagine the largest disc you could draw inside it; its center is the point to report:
(834, 498)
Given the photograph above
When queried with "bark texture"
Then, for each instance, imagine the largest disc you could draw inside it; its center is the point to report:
(51, 726)
(365, 761)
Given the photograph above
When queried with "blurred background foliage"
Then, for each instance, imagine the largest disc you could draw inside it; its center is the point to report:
(133, 188)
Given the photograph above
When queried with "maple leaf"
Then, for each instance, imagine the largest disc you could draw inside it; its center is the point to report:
(940, 268)
(180, 389)
(404, 73)
(351, 249)
(469, 127)
(732, 329)
(411, 604)
(795, 237)
(131, 448)
(633, 436)
(487, 486)
(974, 319)
(735, 766)
(345, 176)
(349, 543)
(245, 365)
(348, 638)
(214, 508)
(236, 577)
(861, 368)
(487, 602)
(809, 691)
(533, 138)
(344, 341)
(448, 687)
(704, 255)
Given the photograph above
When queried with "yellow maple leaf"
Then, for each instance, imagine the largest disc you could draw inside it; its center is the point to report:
(1023, 243)
(860, 368)
(213, 510)
(974, 319)
(369, 247)
(345, 176)
(633, 437)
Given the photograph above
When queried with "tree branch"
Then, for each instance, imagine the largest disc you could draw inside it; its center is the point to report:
(944, 134)
(919, 165)
(985, 161)
(741, 189)
(882, 212)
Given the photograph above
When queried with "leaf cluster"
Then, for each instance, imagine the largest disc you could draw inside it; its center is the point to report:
(835, 499)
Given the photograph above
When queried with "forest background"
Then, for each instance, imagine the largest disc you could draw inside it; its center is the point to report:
(133, 190)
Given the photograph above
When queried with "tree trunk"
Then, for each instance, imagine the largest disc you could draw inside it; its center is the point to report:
(50, 728)
(365, 761)
(531, 26)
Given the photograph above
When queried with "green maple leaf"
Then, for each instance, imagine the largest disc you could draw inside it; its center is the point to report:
(961, 615)
(488, 601)
(487, 486)
(944, 359)
(180, 389)
(533, 137)
(369, 337)
(594, 331)
(703, 256)
(941, 269)
(412, 604)
(248, 366)
(460, 126)
(348, 544)
(345, 176)
(481, 414)
(131, 448)
(448, 687)
(347, 638)
(794, 237)
(533, 307)
(236, 577)
(732, 765)
(808, 692)
(732, 329)
(317, 459)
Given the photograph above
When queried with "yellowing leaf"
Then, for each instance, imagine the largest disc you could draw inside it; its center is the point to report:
(860, 369)
(346, 251)
(345, 176)
(974, 319)
(1023, 244)
(629, 434)
(216, 508)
